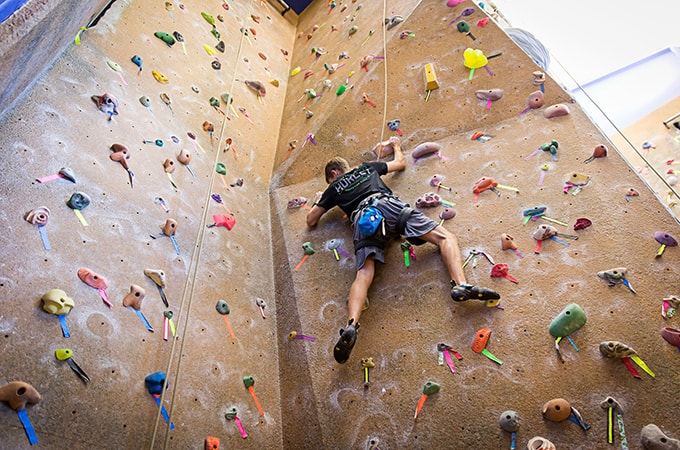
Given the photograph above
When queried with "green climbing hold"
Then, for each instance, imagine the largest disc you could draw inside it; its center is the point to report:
(569, 320)
(248, 381)
(215, 33)
(214, 101)
(208, 18)
(308, 248)
(341, 89)
(165, 37)
(551, 147)
(463, 26)
(221, 168)
(227, 98)
(430, 388)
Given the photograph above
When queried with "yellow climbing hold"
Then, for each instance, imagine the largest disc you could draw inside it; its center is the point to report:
(210, 50)
(295, 71)
(159, 76)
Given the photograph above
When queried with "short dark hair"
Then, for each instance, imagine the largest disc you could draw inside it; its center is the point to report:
(336, 163)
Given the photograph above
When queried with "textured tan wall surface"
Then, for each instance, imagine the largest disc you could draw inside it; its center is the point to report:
(58, 125)
(310, 401)
(410, 308)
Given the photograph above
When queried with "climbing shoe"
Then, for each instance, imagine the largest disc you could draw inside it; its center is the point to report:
(463, 292)
(344, 346)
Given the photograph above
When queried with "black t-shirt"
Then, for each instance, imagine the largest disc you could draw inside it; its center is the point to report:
(354, 186)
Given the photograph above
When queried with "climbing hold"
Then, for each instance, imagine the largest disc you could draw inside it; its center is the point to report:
(557, 110)
(556, 410)
(428, 200)
(220, 46)
(169, 227)
(221, 168)
(474, 59)
(570, 319)
(540, 443)
(535, 100)
(424, 149)
(154, 383)
(38, 216)
(216, 65)
(297, 202)
(106, 103)
(165, 37)
(137, 60)
(135, 297)
(18, 394)
(509, 421)
(600, 151)
(671, 335)
(55, 301)
(208, 18)
(652, 438)
(78, 201)
(159, 76)
(222, 307)
(582, 223)
(257, 86)
(615, 349)
(539, 78)
(489, 94)
(92, 278)
(169, 165)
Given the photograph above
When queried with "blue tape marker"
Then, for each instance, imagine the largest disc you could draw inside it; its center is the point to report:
(45, 239)
(559, 240)
(174, 243)
(164, 413)
(64, 325)
(573, 344)
(143, 319)
(28, 426)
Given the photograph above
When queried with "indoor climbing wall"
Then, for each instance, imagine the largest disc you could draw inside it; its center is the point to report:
(137, 173)
(257, 299)
(501, 122)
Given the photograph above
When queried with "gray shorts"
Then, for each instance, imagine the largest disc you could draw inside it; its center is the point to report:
(417, 225)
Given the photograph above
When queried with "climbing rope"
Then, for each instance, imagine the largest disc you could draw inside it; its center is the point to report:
(190, 282)
(384, 106)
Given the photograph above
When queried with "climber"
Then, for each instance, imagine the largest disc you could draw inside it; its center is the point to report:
(364, 197)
